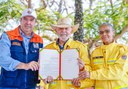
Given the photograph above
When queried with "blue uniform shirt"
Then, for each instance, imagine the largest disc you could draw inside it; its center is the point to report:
(8, 62)
(26, 40)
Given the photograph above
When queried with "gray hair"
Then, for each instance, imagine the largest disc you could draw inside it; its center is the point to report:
(106, 24)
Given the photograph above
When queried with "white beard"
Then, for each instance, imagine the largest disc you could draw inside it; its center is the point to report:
(63, 37)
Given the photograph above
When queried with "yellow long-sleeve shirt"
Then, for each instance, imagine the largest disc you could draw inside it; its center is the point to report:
(109, 66)
(83, 53)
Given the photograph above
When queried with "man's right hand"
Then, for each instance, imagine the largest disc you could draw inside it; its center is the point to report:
(33, 65)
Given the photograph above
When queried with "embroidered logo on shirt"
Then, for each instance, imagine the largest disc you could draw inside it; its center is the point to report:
(35, 45)
(16, 43)
(124, 57)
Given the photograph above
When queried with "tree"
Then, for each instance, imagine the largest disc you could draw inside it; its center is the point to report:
(114, 12)
(79, 35)
(107, 11)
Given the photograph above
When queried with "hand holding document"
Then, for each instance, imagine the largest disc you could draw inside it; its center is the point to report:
(62, 65)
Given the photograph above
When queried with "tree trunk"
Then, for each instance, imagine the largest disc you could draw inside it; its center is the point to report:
(79, 34)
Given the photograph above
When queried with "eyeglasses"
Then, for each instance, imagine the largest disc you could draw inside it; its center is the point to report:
(105, 31)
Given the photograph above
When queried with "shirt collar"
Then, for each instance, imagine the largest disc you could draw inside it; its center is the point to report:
(109, 45)
(23, 35)
(66, 44)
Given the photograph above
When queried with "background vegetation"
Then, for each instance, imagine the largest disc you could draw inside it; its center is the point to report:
(88, 13)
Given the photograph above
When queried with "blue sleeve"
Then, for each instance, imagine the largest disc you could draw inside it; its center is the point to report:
(6, 61)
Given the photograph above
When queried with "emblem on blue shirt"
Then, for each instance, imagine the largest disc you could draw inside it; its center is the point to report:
(16, 43)
(124, 57)
(35, 45)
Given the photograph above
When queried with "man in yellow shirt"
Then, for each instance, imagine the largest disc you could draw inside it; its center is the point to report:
(109, 62)
(64, 29)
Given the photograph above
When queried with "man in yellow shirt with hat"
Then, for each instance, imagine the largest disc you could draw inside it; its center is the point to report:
(64, 29)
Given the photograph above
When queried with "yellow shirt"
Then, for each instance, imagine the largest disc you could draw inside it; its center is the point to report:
(109, 66)
(83, 53)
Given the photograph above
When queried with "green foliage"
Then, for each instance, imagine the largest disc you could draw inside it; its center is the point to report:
(101, 12)
(115, 14)
(9, 9)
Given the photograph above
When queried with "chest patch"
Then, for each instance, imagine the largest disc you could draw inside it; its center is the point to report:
(98, 57)
(16, 43)
(124, 57)
(35, 45)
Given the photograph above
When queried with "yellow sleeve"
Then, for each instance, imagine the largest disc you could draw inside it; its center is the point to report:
(113, 71)
(86, 83)
(42, 84)
(83, 52)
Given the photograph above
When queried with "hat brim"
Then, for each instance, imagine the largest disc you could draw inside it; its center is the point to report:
(28, 15)
(74, 27)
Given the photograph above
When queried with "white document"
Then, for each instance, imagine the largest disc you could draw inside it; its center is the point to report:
(49, 63)
(70, 68)
(55, 64)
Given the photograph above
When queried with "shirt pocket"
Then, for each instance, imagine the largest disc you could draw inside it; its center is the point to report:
(11, 74)
(17, 52)
(10, 77)
(16, 49)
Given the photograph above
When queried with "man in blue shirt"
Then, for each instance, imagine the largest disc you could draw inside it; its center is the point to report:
(19, 53)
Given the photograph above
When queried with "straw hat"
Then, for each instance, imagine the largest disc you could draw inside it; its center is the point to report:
(65, 22)
(29, 12)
